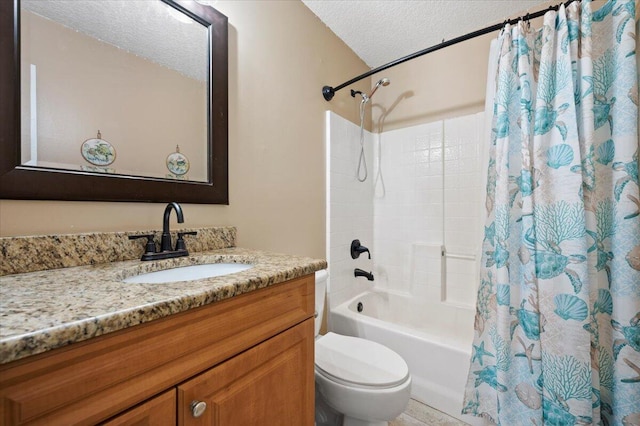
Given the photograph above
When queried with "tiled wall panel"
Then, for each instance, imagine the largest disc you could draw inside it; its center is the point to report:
(463, 193)
(350, 211)
(408, 209)
(427, 195)
(423, 192)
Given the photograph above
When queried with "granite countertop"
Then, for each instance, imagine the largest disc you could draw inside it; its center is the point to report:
(44, 310)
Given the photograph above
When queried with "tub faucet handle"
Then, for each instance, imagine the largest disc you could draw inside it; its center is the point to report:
(357, 249)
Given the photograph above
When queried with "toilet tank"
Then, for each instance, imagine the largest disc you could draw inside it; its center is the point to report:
(321, 287)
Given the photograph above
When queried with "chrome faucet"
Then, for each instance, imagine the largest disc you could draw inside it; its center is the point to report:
(165, 242)
(166, 249)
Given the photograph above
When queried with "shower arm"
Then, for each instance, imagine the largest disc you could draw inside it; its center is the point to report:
(328, 92)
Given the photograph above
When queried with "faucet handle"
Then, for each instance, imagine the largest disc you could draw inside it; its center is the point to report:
(180, 245)
(151, 245)
(357, 249)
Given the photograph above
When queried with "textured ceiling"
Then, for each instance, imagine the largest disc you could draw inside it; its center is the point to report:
(381, 31)
(149, 29)
(378, 31)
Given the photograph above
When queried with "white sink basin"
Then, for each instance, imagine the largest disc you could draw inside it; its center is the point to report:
(188, 273)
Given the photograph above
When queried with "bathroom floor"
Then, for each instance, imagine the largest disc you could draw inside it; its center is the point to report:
(418, 414)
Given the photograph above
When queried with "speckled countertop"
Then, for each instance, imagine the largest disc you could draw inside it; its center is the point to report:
(44, 310)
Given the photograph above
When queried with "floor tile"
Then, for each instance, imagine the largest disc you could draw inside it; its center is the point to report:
(418, 414)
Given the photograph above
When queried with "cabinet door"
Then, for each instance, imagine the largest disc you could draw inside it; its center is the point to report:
(158, 411)
(269, 384)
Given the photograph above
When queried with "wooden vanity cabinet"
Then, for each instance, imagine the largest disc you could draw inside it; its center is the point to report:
(249, 358)
(267, 385)
(158, 411)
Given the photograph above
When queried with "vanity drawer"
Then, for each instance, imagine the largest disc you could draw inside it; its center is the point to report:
(158, 411)
(91, 381)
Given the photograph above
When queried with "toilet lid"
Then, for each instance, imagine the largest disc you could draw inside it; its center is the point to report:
(359, 361)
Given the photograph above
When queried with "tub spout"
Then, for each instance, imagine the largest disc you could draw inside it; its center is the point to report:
(360, 273)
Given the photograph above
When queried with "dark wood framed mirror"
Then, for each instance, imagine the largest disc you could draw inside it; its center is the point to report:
(20, 179)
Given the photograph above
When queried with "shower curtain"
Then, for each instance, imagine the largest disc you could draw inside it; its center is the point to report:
(557, 326)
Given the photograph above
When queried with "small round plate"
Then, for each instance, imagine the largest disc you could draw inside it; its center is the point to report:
(177, 163)
(98, 152)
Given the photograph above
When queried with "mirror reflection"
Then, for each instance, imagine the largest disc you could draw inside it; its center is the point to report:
(115, 87)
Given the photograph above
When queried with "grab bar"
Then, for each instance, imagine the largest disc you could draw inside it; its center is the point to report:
(458, 256)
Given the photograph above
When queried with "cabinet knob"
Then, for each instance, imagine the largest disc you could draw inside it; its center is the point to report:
(198, 408)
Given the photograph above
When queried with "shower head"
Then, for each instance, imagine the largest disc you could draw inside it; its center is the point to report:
(382, 82)
(365, 98)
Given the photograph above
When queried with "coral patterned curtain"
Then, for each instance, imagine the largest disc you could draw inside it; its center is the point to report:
(557, 328)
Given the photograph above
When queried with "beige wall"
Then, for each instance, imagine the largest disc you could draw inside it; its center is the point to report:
(280, 56)
(447, 83)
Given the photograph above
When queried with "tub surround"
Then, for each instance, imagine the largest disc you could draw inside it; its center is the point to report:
(48, 309)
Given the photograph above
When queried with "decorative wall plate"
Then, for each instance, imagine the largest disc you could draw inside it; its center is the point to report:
(97, 151)
(177, 163)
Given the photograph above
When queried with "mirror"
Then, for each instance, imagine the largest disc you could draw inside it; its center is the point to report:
(118, 101)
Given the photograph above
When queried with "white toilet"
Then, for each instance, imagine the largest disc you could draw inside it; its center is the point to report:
(364, 381)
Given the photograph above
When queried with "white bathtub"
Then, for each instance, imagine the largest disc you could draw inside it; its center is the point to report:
(433, 338)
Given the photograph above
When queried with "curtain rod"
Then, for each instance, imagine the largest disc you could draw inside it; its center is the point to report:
(328, 91)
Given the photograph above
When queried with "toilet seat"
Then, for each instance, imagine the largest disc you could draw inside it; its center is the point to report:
(357, 362)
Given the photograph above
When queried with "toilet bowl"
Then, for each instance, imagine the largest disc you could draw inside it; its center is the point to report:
(364, 381)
